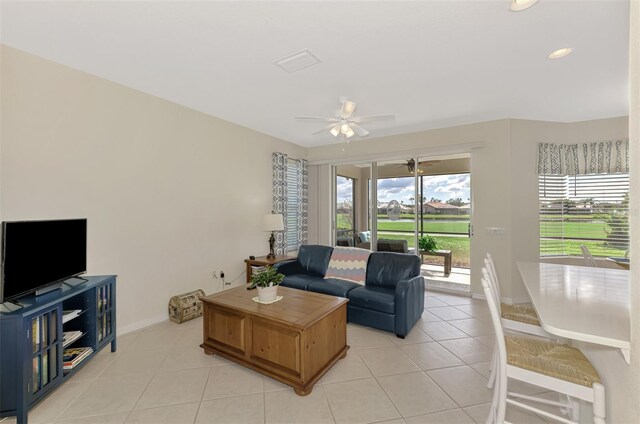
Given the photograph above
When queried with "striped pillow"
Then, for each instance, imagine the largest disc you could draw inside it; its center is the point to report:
(348, 263)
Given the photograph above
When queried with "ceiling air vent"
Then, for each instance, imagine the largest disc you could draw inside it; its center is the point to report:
(299, 60)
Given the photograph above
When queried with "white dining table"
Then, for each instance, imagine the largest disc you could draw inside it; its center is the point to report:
(581, 303)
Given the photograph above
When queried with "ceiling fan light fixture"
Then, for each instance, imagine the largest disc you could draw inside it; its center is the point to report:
(345, 128)
(349, 133)
(520, 5)
(335, 131)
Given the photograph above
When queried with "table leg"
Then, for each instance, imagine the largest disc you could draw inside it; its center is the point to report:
(447, 265)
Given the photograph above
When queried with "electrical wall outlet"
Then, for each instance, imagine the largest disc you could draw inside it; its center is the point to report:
(222, 274)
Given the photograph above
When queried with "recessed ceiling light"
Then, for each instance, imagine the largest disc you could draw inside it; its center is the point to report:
(560, 53)
(520, 5)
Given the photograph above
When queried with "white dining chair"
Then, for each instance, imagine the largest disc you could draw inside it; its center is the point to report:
(519, 317)
(588, 257)
(553, 366)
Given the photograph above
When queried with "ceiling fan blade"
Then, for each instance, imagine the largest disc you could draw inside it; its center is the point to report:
(324, 130)
(360, 119)
(347, 109)
(359, 130)
(315, 119)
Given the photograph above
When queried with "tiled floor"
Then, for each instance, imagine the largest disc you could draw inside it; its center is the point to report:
(437, 374)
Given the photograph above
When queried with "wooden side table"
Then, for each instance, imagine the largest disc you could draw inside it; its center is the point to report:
(446, 254)
(263, 261)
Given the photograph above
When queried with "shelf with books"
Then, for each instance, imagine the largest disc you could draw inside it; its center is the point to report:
(30, 371)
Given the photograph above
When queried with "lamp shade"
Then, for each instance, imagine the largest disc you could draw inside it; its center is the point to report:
(273, 222)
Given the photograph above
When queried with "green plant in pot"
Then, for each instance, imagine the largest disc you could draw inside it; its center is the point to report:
(267, 281)
(427, 243)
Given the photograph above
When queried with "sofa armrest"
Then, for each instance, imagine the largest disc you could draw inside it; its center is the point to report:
(409, 302)
(289, 267)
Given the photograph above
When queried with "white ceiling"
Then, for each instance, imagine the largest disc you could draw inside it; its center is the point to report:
(432, 64)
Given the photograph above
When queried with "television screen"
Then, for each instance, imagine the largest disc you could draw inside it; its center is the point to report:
(39, 253)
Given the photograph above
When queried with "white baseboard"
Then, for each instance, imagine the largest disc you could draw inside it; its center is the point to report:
(141, 324)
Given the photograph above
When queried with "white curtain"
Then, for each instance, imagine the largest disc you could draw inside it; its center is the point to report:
(303, 201)
(603, 157)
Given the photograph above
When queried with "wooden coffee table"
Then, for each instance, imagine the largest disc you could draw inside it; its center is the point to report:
(295, 340)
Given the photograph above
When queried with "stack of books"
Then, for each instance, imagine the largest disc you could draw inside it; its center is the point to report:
(69, 337)
(73, 356)
(70, 314)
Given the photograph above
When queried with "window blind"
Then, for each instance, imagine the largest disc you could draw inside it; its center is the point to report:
(292, 205)
(590, 209)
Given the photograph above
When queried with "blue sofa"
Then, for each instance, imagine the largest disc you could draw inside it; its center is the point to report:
(392, 298)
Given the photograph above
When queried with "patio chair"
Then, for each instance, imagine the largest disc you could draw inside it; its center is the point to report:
(553, 366)
(588, 257)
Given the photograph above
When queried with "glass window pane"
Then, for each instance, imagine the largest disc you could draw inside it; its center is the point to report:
(35, 334)
(53, 362)
(53, 332)
(36, 373)
(45, 330)
(45, 368)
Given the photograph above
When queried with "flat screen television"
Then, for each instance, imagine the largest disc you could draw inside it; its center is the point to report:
(36, 254)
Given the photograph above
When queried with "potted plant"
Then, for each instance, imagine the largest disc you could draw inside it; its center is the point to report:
(267, 281)
(427, 243)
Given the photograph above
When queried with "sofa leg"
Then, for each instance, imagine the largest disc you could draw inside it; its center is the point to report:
(399, 336)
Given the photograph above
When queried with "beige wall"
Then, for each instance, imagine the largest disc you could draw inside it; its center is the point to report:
(170, 194)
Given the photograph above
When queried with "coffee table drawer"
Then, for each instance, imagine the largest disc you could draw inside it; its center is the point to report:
(226, 330)
(276, 345)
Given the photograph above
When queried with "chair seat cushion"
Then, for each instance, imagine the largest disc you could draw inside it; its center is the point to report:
(300, 281)
(333, 287)
(521, 312)
(555, 360)
(348, 263)
(375, 298)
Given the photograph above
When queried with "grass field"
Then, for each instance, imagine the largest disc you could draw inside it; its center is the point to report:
(460, 246)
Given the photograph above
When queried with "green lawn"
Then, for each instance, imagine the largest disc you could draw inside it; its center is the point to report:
(459, 227)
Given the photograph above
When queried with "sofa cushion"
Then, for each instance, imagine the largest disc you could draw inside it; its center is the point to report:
(300, 281)
(385, 269)
(314, 258)
(375, 298)
(332, 287)
(348, 263)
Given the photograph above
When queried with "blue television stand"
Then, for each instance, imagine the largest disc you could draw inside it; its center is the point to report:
(32, 340)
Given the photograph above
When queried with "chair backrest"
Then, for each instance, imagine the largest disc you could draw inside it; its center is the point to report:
(385, 269)
(493, 276)
(501, 372)
(588, 257)
(314, 258)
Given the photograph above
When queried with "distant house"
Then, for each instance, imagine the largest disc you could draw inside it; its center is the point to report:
(440, 208)
(465, 209)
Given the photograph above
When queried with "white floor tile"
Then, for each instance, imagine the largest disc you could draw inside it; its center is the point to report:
(351, 367)
(466, 386)
(448, 313)
(473, 326)
(441, 330)
(190, 355)
(455, 416)
(134, 362)
(247, 409)
(174, 388)
(174, 414)
(117, 418)
(57, 401)
(360, 401)
(387, 361)
(287, 407)
(430, 356)
(232, 380)
(108, 395)
(415, 394)
(359, 337)
(469, 350)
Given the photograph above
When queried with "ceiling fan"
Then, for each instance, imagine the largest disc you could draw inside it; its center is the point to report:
(411, 165)
(345, 122)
